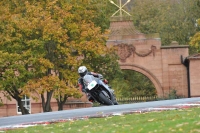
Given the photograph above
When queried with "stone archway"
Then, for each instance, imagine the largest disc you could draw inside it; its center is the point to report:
(147, 73)
(144, 53)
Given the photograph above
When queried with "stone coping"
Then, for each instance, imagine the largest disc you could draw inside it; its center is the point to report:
(174, 46)
(142, 39)
(71, 102)
(118, 18)
(194, 57)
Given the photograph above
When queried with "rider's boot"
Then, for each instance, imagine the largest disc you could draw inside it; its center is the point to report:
(90, 97)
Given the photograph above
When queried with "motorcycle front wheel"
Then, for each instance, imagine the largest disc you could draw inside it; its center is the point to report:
(105, 99)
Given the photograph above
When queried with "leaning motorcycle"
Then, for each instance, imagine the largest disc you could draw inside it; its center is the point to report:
(99, 91)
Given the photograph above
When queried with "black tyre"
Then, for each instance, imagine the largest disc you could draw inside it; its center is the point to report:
(116, 103)
(105, 99)
(114, 100)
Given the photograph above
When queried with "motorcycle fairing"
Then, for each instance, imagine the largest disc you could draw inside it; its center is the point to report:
(106, 88)
(103, 87)
(92, 85)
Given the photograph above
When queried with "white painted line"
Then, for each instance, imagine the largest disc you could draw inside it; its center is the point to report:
(116, 114)
(162, 109)
(188, 104)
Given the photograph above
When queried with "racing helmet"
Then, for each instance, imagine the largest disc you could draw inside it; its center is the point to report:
(82, 70)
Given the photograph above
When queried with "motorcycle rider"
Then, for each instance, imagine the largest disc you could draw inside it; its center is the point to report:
(82, 70)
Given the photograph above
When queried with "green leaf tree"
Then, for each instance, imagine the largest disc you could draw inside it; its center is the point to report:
(47, 36)
(131, 83)
(195, 40)
(173, 20)
(14, 75)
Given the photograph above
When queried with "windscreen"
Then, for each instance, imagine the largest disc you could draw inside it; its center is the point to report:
(87, 79)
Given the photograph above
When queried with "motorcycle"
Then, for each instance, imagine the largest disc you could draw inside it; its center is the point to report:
(99, 91)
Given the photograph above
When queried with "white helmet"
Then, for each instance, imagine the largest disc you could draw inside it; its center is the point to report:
(82, 70)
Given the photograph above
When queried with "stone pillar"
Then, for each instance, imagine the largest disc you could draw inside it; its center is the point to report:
(194, 72)
(174, 72)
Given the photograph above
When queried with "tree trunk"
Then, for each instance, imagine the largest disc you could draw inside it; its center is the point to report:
(61, 102)
(48, 102)
(46, 105)
(23, 109)
(60, 106)
(43, 102)
(15, 95)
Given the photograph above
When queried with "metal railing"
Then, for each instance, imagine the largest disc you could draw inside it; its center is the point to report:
(129, 100)
(136, 99)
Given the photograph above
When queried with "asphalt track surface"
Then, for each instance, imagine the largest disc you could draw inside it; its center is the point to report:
(89, 112)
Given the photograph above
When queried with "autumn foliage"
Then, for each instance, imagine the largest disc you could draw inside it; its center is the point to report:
(39, 38)
(195, 40)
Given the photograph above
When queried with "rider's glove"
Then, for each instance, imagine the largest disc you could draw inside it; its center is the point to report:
(105, 81)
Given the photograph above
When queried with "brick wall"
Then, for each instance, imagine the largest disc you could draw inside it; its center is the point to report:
(10, 108)
(195, 77)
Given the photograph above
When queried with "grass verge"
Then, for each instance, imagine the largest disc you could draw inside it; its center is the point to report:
(177, 121)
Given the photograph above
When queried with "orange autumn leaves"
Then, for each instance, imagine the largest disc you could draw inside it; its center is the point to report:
(50, 83)
(47, 35)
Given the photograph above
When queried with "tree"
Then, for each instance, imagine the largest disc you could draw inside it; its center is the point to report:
(14, 75)
(47, 36)
(51, 84)
(106, 65)
(173, 20)
(195, 40)
(131, 83)
(104, 9)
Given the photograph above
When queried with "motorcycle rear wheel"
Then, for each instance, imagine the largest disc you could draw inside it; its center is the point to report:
(105, 99)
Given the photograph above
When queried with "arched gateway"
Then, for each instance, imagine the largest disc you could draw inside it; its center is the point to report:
(168, 67)
(144, 54)
(145, 72)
